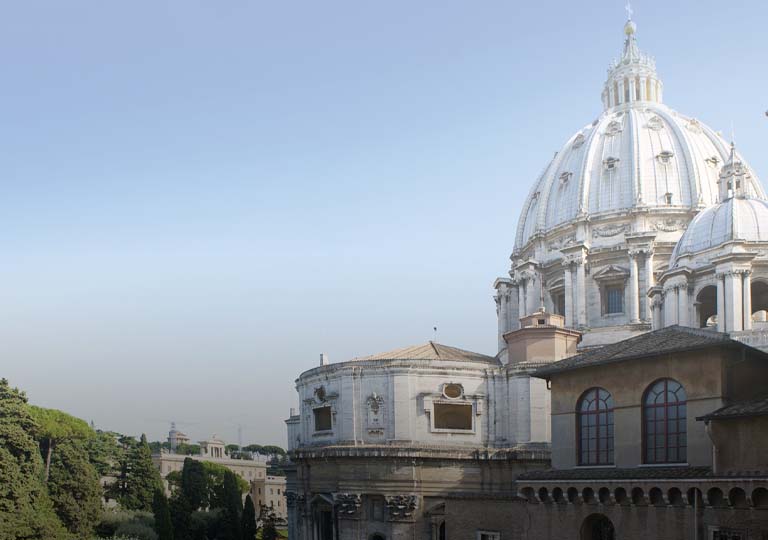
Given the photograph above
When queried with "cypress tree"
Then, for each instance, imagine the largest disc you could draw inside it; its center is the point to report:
(233, 507)
(248, 524)
(162, 512)
(143, 478)
(74, 488)
(25, 508)
(194, 484)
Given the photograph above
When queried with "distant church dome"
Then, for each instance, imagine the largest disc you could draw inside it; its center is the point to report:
(739, 217)
(638, 154)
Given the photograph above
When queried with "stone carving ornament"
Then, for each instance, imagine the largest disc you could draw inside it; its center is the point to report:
(610, 230)
(401, 506)
(669, 225)
(375, 414)
(347, 503)
(562, 242)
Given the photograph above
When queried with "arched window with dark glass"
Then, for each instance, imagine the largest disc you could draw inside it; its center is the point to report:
(595, 426)
(664, 423)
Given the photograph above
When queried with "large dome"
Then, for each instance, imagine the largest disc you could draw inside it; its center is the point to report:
(639, 154)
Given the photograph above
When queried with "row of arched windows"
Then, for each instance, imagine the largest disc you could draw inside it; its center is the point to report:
(664, 424)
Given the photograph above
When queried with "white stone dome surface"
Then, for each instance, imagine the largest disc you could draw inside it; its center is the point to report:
(640, 155)
(736, 219)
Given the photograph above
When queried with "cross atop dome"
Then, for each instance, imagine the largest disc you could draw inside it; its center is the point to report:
(628, 7)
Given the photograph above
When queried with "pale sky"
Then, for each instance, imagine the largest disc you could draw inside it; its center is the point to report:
(198, 198)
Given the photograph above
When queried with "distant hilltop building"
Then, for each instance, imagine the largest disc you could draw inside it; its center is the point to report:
(614, 408)
(176, 438)
(266, 490)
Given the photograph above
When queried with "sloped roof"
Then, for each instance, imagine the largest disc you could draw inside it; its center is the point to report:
(667, 340)
(752, 407)
(431, 351)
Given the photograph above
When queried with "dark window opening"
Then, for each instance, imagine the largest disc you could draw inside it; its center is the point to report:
(323, 419)
(453, 416)
(613, 301)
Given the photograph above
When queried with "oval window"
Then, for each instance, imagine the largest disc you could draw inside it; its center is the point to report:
(452, 391)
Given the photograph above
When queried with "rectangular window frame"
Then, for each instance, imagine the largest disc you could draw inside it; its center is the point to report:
(315, 412)
(465, 403)
(487, 535)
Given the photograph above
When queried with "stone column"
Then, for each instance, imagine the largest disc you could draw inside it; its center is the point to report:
(501, 314)
(521, 297)
(656, 322)
(643, 94)
(733, 309)
(650, 281)
(531, 296)
(632, 90)
(611, 95)
(568, 282)
(621, 92)
(747, 299)
(720, 302)
(581, 292)
(670, 305)
(683, 309)
(634, 288)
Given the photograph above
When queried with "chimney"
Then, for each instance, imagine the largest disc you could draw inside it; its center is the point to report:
(324, 359)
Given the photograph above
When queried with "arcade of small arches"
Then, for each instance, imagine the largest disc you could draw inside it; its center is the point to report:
(704, 494)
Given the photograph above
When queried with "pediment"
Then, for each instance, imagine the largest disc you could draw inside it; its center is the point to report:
(611, 272)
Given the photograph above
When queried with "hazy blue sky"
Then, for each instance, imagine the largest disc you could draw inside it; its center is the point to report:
(199, 197)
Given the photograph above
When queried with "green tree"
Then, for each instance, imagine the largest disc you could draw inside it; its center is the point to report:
(181, 517)
(163, 525)
(248, 523)
(233, 507)
(269, 529)
(194, 484)
(25, 508)
(216, 474)
(135, 488)
(184, 449)
(55, 427)
(74, 488)
(104, 452)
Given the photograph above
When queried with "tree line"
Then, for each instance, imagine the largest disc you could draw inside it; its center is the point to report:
(51, 470)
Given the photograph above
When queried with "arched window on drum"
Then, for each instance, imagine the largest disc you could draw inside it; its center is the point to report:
(595, 427)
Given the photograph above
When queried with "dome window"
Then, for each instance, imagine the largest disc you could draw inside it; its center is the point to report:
(713, 161)
(665, 157)
(693, 126)
(668, 198)
(655, 123)
(611, 163)
(565, 177)
(613, 128)
(578, 141)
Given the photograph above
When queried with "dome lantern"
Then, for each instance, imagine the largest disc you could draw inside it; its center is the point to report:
(633, 76)
(734, 179)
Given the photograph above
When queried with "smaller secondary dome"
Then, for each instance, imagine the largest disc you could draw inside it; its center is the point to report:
(736, 219)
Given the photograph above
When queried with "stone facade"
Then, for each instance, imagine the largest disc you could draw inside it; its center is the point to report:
(381, 441)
